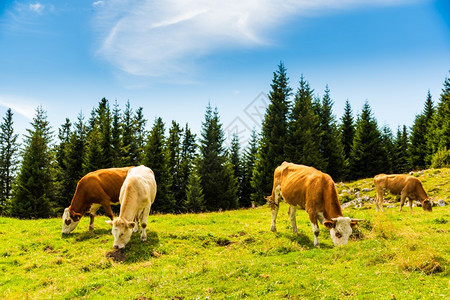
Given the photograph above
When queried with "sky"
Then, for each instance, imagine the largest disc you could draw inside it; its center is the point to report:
(174, 57)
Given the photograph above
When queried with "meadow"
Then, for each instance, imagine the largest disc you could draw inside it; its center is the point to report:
(233, 255)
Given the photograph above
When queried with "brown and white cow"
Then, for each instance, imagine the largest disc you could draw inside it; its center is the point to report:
(399, 184)
(136, 197)
(95, 189)
(309, 189)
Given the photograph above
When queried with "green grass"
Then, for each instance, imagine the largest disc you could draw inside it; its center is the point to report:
(231, 255)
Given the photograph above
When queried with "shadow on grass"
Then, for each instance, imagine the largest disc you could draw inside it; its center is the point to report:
(136, 250)
(86, 235)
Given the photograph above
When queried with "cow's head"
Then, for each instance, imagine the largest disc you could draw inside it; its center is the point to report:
(341, 229)
(70, 220)
(427, 204)
(121, 230)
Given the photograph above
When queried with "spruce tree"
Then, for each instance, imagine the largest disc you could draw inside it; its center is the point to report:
(401, 155)
(347, 129)
(9, 149)
(116, 138)
(248, 164)
(387, 155)
(157, 158)
(367, 147)
(33, 192)
(218, 182)
(195, 199)
(129, 145)
(139, 134)
(235, 160)
(419, 150)
(331, 147)
(174, 149)
(62, 185)
(271, 151)
(304, 133)
(439, 134)
(188, 154)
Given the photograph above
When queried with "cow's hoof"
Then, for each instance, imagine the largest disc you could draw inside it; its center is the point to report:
(91, 227)
(273, 229)
(143, 239)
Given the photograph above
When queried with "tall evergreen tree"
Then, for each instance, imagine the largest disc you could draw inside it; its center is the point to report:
(9, 149)
(304, 133)
(367, 147)
(188, 154)
(273, 137)
(156, 158)
(331, 147)
(387, 155)
(139, 135)
(33, 192)
(129, 146)
(116, 138)
(174, 149)
(248, 164)
(439, 135)
(347, 129)
(419, 150)
(401, 155)
(61, 175)
(195, 199)
(235, 160)
(218, 182)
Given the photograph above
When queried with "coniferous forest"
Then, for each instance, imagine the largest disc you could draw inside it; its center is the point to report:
(196, 172)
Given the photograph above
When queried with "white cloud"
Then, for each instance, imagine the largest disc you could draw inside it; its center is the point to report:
(22, 106)
(98, 3)
(167, 37)
(36, 7)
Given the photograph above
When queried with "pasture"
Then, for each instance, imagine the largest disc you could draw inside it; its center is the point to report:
(233, 255)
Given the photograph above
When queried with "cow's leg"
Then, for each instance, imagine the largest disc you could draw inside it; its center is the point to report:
(92, 212)
(144, 218)
(410, 203)
(276, 201)
(108, 211)
(292, 214)
(315, 229)
(402, 201)
(379, 200)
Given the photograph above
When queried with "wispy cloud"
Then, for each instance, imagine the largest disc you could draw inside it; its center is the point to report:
(23, 106)
(167, 37)
(36, 7)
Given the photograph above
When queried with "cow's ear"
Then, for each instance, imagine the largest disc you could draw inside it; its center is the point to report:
(131, 224)
(329, 224)
(109, 222)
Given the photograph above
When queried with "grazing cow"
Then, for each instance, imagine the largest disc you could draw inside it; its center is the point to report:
(136, 197)
(404, 185)
(95, 189)
(309, 189)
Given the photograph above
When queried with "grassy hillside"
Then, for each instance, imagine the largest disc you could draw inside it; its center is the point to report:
(233, 255)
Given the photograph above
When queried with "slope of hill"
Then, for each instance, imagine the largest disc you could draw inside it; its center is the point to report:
(233, 254)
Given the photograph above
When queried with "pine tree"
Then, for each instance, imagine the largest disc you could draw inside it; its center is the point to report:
(9, 149)
(304, 133)
(33, 192)
(439, 134)
(248, 164)
(195, 199)
(271, 152)
(331, 147)
(188, 154)
(401, 154)
(129, 146)
(156, 158)
(93, 159)
(347, 129)
(367, 146)
(174, 149)
(235, 160)
(62, 184)
(419, 150)
(387, 155)
(139, 135)
(116, 138)
(218, 182)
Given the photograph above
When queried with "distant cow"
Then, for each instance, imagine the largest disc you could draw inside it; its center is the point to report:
(95, 189)
(136, 197)
(307, 188)
(404, 185)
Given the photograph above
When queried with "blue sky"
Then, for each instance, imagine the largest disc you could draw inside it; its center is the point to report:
(173, 57)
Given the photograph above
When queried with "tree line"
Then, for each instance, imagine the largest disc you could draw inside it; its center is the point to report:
(198, 173)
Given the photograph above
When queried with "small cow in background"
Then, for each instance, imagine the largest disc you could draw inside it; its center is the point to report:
(309, 189)
(96, 189)
(136, 197)
(405, 185)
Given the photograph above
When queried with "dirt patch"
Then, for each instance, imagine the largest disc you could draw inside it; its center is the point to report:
(116, 255)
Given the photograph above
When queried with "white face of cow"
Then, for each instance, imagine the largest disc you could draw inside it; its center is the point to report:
(341, 231)
(68, 223)
(121, 230)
